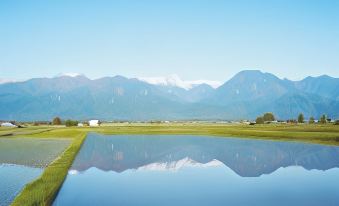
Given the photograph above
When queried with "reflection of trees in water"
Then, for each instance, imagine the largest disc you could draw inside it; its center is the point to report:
(245, 157)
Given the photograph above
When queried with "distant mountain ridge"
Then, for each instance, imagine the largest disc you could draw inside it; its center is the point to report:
(245, 96)
(175, 81)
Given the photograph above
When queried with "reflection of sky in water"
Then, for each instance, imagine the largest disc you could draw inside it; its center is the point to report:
(13, 178)
(186, 170)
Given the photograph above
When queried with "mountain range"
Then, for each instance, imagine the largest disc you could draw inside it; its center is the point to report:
(245, 96)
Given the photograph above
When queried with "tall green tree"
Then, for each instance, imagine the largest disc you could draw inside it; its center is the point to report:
(323, 119)
(269, 116)
(301, 118)
(56, 121)
(311, 121)
(259, 120)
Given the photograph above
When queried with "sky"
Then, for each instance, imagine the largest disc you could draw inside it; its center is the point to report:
(195, 39)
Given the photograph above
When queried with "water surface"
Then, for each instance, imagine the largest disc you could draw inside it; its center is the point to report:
(195, 170)
(13, 179)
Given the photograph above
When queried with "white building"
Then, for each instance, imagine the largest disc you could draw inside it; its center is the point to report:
(7, 124)
(93, 123)
(80, 124)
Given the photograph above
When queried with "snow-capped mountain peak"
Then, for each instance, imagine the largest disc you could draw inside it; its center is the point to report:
(175, 81)
(69, 74)
(4, 81)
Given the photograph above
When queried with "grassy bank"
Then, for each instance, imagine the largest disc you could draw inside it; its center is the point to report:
(43, 190)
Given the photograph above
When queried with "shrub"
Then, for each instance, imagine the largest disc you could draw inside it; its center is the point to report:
(292, 121)
(268, 117)
(260, 120)
(71, 123)
(56, 121)
(311, 121)
(323, 119)
(301, 118)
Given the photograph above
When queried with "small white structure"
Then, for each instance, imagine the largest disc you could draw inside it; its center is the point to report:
(7, 124)
(93, 123)
(80, 124)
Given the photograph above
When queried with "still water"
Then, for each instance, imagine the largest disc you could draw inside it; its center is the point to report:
(13, 179)
(196, 170)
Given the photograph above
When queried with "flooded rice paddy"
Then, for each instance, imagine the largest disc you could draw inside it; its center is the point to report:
(196, 170)
(22, 160)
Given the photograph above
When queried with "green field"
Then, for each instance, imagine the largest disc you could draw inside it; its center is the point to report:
(43, 190)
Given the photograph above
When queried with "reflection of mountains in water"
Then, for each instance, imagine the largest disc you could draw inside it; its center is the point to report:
(249, 158)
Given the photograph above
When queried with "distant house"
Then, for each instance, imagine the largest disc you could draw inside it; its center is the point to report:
(80, 124)
(245, 122)
(7, 124)
(93, 123)
(271, 122)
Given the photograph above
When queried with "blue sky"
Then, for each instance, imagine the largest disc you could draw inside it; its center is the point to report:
(195, 39)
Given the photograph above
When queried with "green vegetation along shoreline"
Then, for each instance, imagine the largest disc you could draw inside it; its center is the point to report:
(43, 190)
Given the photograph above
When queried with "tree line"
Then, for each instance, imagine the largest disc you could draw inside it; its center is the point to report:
(68, 122)
(269, 117)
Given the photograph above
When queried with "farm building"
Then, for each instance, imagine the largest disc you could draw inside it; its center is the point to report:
(93, 123)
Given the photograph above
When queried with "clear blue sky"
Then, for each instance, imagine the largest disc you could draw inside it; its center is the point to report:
(195, 39)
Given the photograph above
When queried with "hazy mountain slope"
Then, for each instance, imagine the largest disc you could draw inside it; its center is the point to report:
(116, 97)
(196, 94)
(250, 85)
(324, 86)
(291, 105)
(245, 96)
(251, 93)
